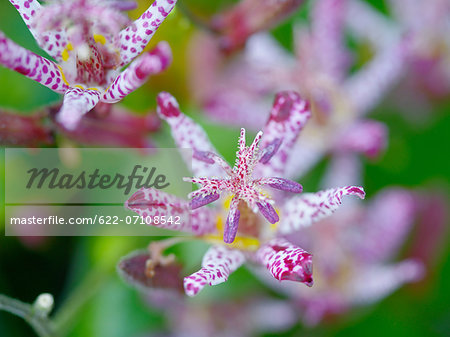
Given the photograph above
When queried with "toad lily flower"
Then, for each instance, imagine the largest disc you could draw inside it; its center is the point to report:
(91, 43)
(254, 240)
(242, 185)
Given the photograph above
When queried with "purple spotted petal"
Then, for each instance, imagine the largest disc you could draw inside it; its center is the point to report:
(53, 42)
(31, 65)
(286, 261)
(204, 200)
(77, 102)
(270, 149)
(218, 263)
(187, 134)
(138, 72)
(133, 39)
(231, 225)
(203, 156)
(268, 212)
(288, 116)
(151, 202)
(306, 209)
(282, 184)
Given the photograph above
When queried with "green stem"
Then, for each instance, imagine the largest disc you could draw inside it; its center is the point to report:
(40, 323)
(63, 319)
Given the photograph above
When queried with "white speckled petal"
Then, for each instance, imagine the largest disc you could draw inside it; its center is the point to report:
(77, 102)
(133, 39)
(288, 116)
(188, 134)
(149, 202)
(138, 72)
(33, 66)
(306, 209)
(218, 263)
(286, 261)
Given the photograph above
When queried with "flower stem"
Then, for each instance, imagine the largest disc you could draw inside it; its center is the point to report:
(38, 321)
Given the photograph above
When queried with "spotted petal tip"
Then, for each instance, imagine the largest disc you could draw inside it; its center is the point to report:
(167, 106)
(286, 261)
(284, 103)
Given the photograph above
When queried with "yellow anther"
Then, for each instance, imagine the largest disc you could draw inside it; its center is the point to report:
(65, 52)
(99, 38)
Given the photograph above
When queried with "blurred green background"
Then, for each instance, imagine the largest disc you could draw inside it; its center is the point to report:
(80, 271)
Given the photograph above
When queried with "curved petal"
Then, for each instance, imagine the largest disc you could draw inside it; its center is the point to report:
(365, 22)
(188, 134)
(148, 202)
(76, 103)
(138, 72)
(286, 261)
(52, 42)
(368, 137)
(367, 86)
(33, 66)
(376, 282)
(288, 116)
(388, 220)
(218, 263)
(304, 210)
(133, 39)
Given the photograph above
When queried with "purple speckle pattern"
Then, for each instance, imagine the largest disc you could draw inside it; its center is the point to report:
(218, 263)
(138, 72)
(89, 55)
(304, 210)
(187, 134)
(132, 39)
(289, 115)
(286, 261)
(52, 42)
(149, 202)
(31, 65)
(76, 103)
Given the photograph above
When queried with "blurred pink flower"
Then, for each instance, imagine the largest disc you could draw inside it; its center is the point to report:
(353, 250)
(319, 71)
(247, 17)
(110, 125)
(25, 131)
(255, 239)
(91, 42)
